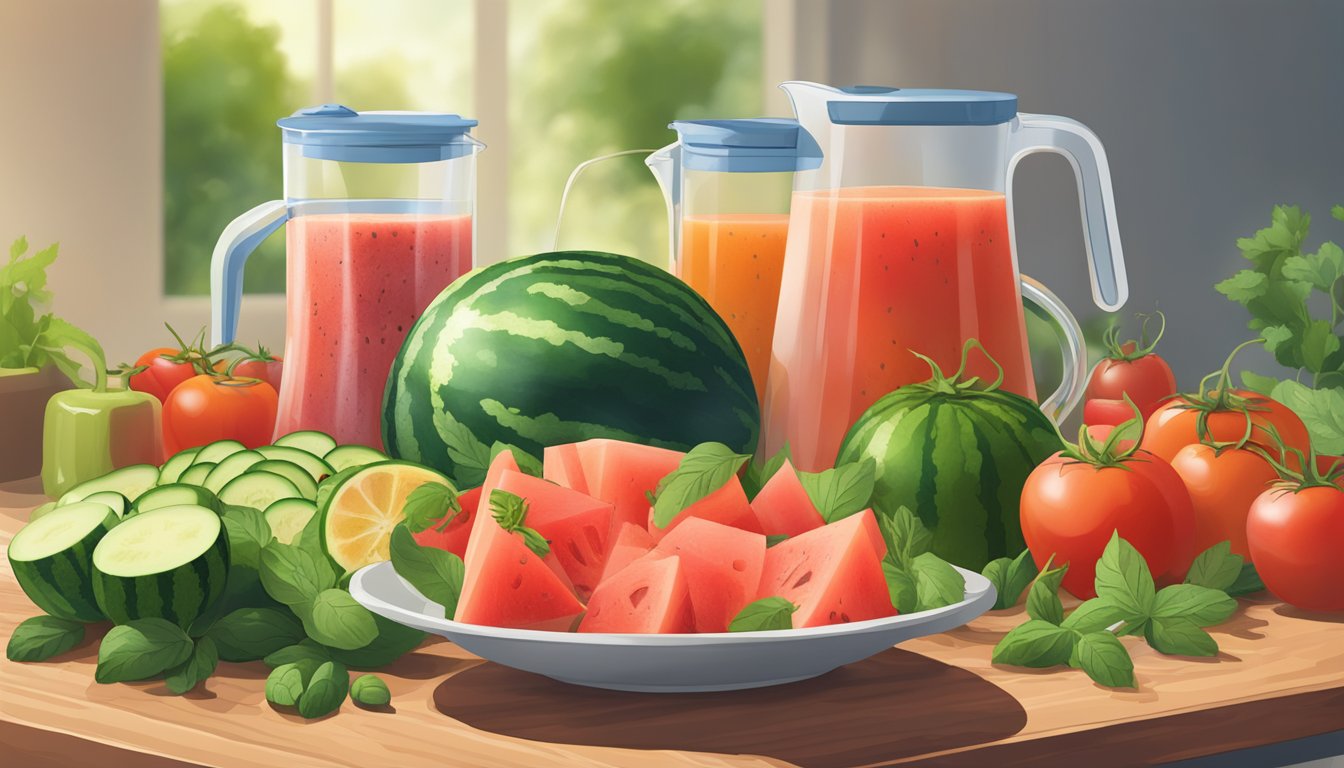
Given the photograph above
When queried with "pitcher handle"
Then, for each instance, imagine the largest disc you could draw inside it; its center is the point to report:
(1096, 200)
(1071, 346)
(238, 240)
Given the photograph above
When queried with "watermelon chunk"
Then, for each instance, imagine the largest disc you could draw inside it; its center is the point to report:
(726, 506)
(723, 568)
(632, 542)
(614, 471)
(832, 573)
(576, 525)
(649, 596)
(562, 465)
(502, 463)
(783, 506)
(454, 538)
(507, 585)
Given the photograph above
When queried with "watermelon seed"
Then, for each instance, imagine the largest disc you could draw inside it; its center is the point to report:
(739, 565)
(517, 581)
(574, 550)
(637, 596)
(806, 577)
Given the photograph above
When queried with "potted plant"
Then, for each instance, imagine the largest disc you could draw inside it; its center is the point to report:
(33, 363)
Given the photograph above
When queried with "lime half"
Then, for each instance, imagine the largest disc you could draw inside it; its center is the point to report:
(359, 515)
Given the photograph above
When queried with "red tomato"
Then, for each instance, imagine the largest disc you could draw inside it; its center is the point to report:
(1172, 427)
(269, 370)
(1294, 538)
(1147, 380)
(162, 373)
(1180, 507)
(207, 408)
(1107, 413)
(1070, 509)
(1222, 488)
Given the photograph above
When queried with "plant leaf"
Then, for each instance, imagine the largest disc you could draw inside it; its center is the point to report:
(306, 650)
(43, 637)
(900, 586)
(285, 684)
(1035, 644)
(906, 536)
(1201, 605)
(436, 573)
(293, 575)
(703, 470)
(248, 634)
(1248, 582)
(470, 456)
(510, 511)
(768, 613)
(1010, 578)
(840, 492)
(326, 690)
(1243, 286)
(431, 505)
(192, 672)
(1216, 567)
(1322, 410)
(141, 649)
(248, 534)
(338, 620)
(937, 583)
(1104, 658)
(527, 463)
(1043, 601)
(1124, 579)
(1094, 615)
(1179, 637)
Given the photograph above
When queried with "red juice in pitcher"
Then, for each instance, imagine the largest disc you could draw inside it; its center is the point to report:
(357, 282)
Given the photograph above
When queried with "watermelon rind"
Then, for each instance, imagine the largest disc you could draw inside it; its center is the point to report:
(52, 559)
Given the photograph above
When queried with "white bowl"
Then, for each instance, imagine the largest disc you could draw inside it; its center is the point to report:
(667, 663)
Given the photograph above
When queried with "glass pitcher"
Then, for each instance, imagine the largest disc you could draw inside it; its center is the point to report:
(902, 240)
(727, 185)
(379, 207)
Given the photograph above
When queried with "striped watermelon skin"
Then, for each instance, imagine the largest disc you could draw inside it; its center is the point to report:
(559, 348)
(958, 461)
(179, 595)
(62, 584)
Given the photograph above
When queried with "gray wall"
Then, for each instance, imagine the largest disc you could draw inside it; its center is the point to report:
(1211, 112)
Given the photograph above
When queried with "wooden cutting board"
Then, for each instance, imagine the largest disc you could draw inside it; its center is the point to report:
(936, 700)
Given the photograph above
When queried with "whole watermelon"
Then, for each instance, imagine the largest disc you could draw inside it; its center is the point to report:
(957, 454)
(562, 347)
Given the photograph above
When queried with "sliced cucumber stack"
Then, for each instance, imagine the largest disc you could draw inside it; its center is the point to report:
(175, 495)
(113, 501)
(291, 472)
(287, 518)
(315, 467)
(347, 456)
(230, 467)
(173, 468)
(317, 443)
(258, 490)
(168, 563)
(52, 559)
(196, 474)
(128, 481)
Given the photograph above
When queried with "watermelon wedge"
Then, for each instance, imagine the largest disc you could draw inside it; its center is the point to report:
(649, 596)
(783, 506)
(832, 573)
(614, 471)
(632, 542)
(576, 525)
(723, 568)
(562, 465)
(454, 538)
(726, 506)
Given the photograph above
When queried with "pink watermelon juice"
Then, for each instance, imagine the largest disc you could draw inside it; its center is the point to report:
(356, 284)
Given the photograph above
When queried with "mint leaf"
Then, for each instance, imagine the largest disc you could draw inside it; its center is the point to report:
(435, 573)
(1123, 578)
(192, 672)
(1104, 658)
(1179, 637)
(703, 470)
(248, 634)
(1010, 578)
(1035, 644)
(1243, 286)
(840, 492)
(510, 511)
(527, 463)
(936, 582)
(141, 649)
(766, 614)
(1094, 615)
(901, 586)
(42, 637)
(431, 505)
(1201, 605)
(1215, 567)
(905, 535)
(248, 534)
(1322, 410)
(1043, 601)
(338, 620)
(293, 575)
(1248, 582)
(470, 456)
(326, 690)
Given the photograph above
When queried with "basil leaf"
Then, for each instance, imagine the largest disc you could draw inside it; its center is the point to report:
(325, 691)
(307, 650)
(756, 476)
(435, 573)
(1201, 605)
(703, 470)
(840, 492)
(1104, 658)
(768, 613)
(1010, 578)
(936, 582)
(1248, 582)
(1043, 601)
(905, 535)
(470, 456)
(192, 672)
(248, 533)
(527, 463)
(141, 649)
(248, 634)
(370, 691)
(1124, 579)
(430, 505)
(338, 620)
(293, 575)
(1094, 615)
(42, 637)
(285, 684)
(775, 538)
(900, 586)
(394, 640)
(1035, 644)
(1179, 637)
(1215, 567)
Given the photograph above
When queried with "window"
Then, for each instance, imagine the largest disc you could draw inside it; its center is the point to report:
(581, 78)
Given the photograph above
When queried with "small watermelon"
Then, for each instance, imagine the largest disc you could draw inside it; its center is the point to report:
(561, 347)
(651, 595)
(956, 453)
(52, 557)
(723, 568)
(577, 526)
(832, 573)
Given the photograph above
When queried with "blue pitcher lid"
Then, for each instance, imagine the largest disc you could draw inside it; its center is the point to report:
(335, 132)
(753, 145)
(883, 105)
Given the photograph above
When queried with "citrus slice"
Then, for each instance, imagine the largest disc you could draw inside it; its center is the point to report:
(359, 515)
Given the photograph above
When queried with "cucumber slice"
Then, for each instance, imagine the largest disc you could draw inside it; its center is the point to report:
(52, 559)
(42, 510)
(347, 456)
(174, 495)
(291, 472)
(317, 443)
(218, 451)
(258, 490)
(315, 467)
(196, 473)
(174, 467)
(169, 563)
(287, 517)
(128, 481)
(230, 467)
(114, 501)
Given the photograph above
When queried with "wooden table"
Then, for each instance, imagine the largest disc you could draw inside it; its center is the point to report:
(936, 701)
